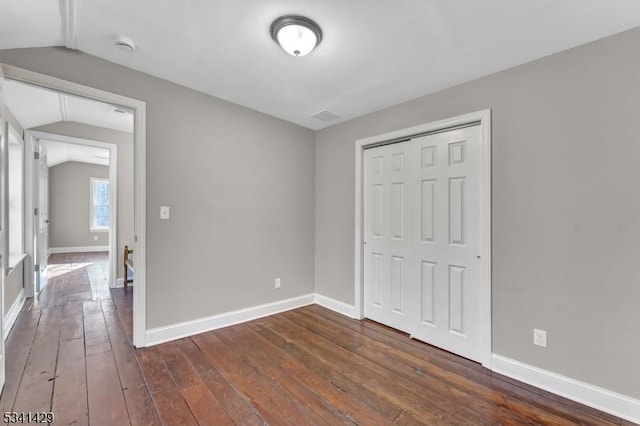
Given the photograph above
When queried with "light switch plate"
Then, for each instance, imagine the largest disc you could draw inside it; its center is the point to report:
(164, 212)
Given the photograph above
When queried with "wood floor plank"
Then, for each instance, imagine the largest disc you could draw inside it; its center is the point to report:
(95, 329)
(70, 403)
(168, 401)
(194, 391)
(273, 403)
(137, 398)
(173, 409)
(140, 406)
(182, 372)
(104, 392)
(271, 331)
(72, 327)
(36, 386)
(18, 347)
(407, 419)
(237, 407)
(204, 406)
(281, 365)
(258, 355)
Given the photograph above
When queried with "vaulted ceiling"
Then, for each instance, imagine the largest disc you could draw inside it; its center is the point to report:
(34, 106)
(374, 54)
(61, 152)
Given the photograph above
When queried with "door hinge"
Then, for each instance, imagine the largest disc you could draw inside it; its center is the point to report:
(36, 211)
(36, 155)
(36, 267)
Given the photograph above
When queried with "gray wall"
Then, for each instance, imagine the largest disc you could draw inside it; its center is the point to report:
(13, 121)
(124, 141)
(15, 279)
(565, 206)
(69, 205)
(13, 284)
(240, 185)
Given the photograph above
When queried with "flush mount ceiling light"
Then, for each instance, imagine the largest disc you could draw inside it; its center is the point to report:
(296, 35)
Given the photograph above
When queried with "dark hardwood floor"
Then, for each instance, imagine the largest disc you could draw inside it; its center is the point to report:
(70, 353)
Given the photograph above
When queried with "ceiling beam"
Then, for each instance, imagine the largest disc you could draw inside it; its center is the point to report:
(64, 107)
(69, 21)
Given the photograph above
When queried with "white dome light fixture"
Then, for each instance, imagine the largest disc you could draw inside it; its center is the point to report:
(297, 35)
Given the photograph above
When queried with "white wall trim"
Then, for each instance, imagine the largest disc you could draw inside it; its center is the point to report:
(484, 118)
(85, 249)
(599, 398)
(336, 305)
(167, 333)
(69, 23)
(11, 315)
(139, 176)
(119, 283)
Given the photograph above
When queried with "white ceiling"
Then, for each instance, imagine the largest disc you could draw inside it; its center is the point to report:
(34, 106)
(374, 54)
(60, 152)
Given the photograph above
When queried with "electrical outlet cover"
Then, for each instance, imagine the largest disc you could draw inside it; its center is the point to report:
(539, 337)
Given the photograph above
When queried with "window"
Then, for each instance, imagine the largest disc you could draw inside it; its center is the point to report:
(99, 204)
(16, 197)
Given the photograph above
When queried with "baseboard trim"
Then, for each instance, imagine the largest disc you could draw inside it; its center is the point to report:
(119, 283)
(602, 399)
(85, 249)
(13, 312)
(159, 335)
(336, 305)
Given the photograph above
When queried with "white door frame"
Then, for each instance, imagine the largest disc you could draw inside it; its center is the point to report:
(139, 176)
(31, 137)
(483, 118)
(4, 222)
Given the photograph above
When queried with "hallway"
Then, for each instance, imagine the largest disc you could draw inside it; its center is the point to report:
(68, 350)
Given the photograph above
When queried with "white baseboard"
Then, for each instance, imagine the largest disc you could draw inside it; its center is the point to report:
(13, 312)
(119, 283)
(602, 399)
(159, 335)
(85, 249)
(336, 305)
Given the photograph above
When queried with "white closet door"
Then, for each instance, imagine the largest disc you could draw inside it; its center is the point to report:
(387, 231)
(447, 308)
(422, 238)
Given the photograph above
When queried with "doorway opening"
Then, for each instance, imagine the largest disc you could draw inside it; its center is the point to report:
(76, 197)
(134, 111)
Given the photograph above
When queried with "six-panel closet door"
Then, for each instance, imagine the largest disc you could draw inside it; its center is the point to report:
(422, 238)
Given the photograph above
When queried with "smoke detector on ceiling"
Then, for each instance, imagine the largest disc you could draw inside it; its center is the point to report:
(125, 44)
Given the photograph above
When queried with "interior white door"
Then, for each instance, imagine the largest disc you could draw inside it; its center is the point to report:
(449, 302)
(389, 252)
(422, 238)
(4, 147)
(41, 220)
